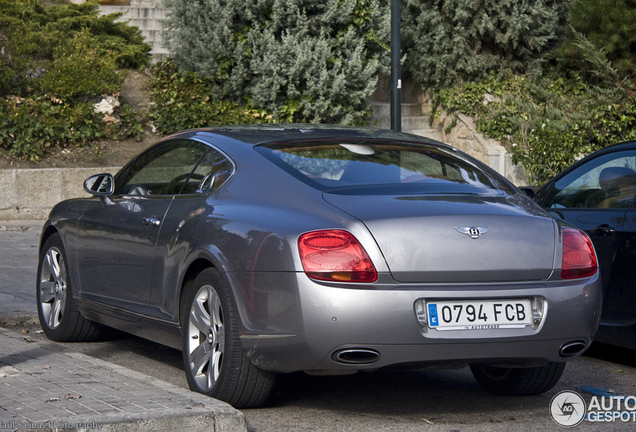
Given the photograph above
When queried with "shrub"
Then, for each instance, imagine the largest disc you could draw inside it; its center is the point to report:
(452, 41)
(608, 25)
(33, 37)
(31, 126)
(181, 100)
(81, 67)
(299, 59)
(54, 61)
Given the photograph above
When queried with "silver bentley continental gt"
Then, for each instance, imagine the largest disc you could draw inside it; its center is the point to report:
(259, 250)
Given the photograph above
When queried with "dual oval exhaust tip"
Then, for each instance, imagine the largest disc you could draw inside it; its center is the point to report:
(571, 349)
(356, 356)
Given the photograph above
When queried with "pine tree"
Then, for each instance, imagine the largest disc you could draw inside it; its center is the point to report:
(303, 60)
(447, 41)
(610, 27)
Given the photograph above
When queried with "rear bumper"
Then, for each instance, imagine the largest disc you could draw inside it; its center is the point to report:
(304, 325)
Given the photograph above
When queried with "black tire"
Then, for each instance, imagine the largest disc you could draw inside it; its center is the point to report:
(518, 381)
(214, 360)
(59, 317)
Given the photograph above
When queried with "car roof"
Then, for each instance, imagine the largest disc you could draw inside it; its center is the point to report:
(254, 134)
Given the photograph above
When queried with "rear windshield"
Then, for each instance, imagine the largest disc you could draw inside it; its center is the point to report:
(394, 167)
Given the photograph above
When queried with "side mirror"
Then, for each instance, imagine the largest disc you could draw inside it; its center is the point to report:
(100, 185)
(528, 191)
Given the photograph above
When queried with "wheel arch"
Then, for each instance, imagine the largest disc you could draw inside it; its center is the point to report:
(46, 234)
(193, 270)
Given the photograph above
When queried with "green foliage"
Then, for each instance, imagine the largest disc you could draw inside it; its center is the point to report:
(31, 36)
(181, 100)
(302, 60)
(549, 120)
(608, 25)
(30, 126)
(547, 123)
(450, 41)
(126, 43)
(81, 67)
(54, 62)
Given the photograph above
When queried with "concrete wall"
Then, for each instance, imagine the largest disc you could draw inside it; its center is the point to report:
(29, 194)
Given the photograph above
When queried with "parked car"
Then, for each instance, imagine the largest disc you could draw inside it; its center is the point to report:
(597, 195)
(268, 249)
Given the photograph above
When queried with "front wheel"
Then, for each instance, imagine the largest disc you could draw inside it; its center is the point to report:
(518, 381)
(59, 317)
(213, 356)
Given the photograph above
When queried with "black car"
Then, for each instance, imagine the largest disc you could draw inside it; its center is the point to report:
(597, 194)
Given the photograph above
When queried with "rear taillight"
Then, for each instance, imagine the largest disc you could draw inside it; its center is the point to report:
(335, 255)
(579, 258)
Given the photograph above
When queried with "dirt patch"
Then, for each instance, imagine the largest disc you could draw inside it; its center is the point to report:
(106, 153)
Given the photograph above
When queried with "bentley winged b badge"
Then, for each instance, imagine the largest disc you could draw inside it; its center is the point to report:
(472, 231)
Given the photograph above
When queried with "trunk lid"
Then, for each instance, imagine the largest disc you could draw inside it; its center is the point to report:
(457, 238)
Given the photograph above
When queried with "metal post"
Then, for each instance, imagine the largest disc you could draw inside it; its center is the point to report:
(396, 69)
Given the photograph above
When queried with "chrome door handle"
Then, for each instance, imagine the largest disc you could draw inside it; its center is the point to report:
(152, 222)
(604, 230)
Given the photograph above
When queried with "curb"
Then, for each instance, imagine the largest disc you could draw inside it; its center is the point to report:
(19, 320)
(43, 387)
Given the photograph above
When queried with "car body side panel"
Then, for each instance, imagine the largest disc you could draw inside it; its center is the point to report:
(116, 251)
(620, 300)
(177, 234)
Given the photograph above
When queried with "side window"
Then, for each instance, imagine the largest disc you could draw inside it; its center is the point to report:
(608, 181)
(163, 170)
(210, 174)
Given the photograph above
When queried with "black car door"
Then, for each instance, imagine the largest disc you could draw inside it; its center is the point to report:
(117, 236)
(598, 197)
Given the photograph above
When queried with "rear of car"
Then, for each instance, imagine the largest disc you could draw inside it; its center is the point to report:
(437, 261)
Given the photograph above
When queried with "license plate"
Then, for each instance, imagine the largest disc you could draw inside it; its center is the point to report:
(479, 314)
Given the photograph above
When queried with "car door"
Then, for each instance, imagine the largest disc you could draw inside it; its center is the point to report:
(178, 235)
(598, 197)
(117, 236)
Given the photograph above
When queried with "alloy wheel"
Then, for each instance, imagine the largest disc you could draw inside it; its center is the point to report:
(206, 337)
(53, 287)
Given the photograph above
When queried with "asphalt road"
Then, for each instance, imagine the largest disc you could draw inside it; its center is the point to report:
(444, 400)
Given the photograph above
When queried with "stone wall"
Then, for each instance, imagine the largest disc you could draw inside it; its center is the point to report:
(29, 194)
(464, 136)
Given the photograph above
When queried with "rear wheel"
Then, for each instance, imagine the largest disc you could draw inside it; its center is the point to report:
(518, 381)
(59, 317)
(213, 356)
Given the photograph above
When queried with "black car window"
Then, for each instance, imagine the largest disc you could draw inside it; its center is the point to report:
(608, 181)
(213, 170)
(401, 167)
(164, 169)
